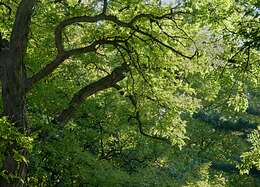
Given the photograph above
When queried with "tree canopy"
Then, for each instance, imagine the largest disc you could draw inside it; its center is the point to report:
(130, 93)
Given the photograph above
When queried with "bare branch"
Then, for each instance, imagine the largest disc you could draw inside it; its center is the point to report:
(71, 21)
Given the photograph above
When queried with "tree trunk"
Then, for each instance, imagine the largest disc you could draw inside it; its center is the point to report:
(13, 86)
(13, 94)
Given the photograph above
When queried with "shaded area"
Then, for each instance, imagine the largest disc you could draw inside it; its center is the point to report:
(217, 122)
(230, 168)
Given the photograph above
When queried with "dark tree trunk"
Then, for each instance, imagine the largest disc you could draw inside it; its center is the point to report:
(13, 78)
(13, 90)
(13, 94)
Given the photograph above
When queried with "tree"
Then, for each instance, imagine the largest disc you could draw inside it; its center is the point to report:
(123, 36)
(106, 79)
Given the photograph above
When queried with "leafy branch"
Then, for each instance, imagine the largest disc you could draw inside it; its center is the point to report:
(137, 117)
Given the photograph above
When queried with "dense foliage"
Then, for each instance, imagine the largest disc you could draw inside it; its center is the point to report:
(132, 93)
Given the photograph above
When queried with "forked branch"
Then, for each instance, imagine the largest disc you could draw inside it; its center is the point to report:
(64, 54)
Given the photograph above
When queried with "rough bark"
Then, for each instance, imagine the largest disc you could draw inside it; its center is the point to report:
(13, 86)
(13, 96)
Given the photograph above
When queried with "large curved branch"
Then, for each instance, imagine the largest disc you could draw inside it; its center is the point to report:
(61, 57)
(114, 19)
(93, 19)
(109, 81)
(63, 54)
(67, 22)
